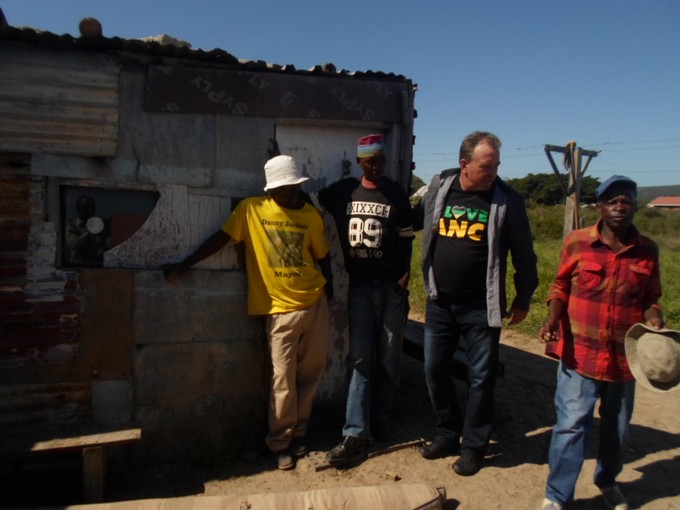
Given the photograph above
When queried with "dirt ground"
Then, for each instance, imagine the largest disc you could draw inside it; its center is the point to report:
(515, 471)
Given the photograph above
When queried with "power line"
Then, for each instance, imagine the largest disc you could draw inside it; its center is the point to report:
(644, 149)
(524, 173)
(639, 141)
(540, 146)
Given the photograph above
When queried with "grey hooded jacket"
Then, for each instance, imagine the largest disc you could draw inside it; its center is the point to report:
(509, 231)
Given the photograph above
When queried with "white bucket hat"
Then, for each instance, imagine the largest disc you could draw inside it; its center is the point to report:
(282, 171)
(654, 357)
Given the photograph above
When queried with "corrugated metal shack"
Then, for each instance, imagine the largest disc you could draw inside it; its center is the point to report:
(144, 148)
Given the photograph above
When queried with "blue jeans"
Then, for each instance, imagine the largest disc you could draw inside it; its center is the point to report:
(377, 318)
(445, 325)
(575, 399)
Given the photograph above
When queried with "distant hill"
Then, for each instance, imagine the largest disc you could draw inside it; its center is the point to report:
(651, 192)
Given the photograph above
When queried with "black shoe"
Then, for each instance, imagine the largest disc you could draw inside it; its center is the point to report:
(440, 447)
(350, 450)
(469, 463)
(298, 447)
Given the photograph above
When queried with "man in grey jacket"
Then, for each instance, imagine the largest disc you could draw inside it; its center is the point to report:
(472, 221)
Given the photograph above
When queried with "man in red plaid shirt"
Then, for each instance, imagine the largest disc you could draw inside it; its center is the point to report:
(607, 280)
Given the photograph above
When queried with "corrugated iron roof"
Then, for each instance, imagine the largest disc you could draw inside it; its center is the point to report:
(167, 46)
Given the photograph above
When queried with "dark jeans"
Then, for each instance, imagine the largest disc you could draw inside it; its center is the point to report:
(445, 325)
(377, 315)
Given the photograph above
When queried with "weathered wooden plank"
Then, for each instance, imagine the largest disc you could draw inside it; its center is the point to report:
(21, 443)
(175, 228)
(374, 497)
(99, 439)
(94, 474)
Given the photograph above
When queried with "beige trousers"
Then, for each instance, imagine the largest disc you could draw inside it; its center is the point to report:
(298, 344)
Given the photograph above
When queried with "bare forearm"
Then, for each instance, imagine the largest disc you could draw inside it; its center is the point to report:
(173, 272)
(209, 247)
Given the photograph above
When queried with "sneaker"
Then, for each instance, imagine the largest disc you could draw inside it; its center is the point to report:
(613, 498)
(549, 504)
(351, 449)
(440, 447)
(284, 459)
(298, 447)
(468, 463)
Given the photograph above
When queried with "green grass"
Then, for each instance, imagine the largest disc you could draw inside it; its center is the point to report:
(546, 225)
(670, 284)
(417, 295)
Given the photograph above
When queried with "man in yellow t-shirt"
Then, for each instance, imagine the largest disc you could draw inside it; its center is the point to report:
(289, 282)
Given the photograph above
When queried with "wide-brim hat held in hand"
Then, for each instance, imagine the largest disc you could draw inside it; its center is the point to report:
(654, 357)
(282, 171)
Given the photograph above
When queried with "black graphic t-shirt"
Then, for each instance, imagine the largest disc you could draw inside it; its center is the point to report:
(460, 256)
(372, 224)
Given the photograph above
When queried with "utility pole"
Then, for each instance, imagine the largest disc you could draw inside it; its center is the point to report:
(571, 160)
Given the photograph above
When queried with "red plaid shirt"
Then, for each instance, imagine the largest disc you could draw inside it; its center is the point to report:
(605, 294)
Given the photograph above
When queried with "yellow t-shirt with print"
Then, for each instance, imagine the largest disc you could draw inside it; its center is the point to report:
(282, 246)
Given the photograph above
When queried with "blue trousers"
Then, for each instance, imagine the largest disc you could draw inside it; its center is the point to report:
(377, 318)
(575, 399)
(445, 326)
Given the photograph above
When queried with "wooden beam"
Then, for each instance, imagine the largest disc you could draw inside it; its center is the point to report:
(563, 150)
(557, 172)
(572, 192)
(97, 439)
(94, 474)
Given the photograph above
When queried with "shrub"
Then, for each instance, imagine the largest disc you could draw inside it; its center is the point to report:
(547, 227)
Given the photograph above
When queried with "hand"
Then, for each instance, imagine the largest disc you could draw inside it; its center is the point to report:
(515, 316)
(402, 284)
(653, 319)
(655, 323)
(548, 332)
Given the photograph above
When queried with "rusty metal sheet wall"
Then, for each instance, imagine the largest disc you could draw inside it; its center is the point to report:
(25, 407)
(39, 308)
(58, 102)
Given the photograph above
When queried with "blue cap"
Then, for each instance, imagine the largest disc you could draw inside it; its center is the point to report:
(615, 179)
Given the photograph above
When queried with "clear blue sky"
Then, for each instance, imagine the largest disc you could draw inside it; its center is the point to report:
(605, 73)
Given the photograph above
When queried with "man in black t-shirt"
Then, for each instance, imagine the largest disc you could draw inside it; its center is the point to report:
(375, 223)
(473, 220)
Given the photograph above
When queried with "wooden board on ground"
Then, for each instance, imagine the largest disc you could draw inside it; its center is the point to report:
(375, 497)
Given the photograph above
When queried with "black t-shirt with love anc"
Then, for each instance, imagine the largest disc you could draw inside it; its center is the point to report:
(460, 256)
